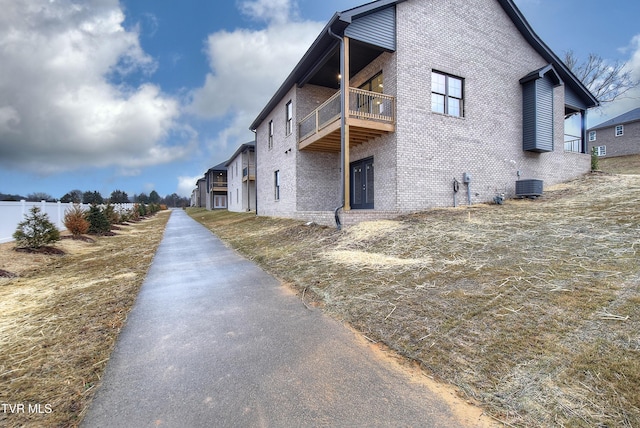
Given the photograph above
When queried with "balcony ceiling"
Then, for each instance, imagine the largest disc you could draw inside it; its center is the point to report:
(361, 55)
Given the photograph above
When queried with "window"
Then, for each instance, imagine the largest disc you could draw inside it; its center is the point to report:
(592, 136)
(619, 130)
(600, 150)
(270, 134)
(446, 94)
(289, 122)
(375, 84)
(276, 177)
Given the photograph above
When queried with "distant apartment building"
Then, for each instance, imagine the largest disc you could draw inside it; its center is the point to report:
(619, 136)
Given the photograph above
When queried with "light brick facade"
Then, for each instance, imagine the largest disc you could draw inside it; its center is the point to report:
(241, 178)
(415, 166)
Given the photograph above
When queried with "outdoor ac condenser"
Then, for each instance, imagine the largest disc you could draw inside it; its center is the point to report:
(531, 188)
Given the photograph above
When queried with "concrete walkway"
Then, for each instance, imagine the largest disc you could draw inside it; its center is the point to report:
(214, 341)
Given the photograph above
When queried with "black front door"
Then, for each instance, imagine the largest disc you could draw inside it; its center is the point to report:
(362, 184)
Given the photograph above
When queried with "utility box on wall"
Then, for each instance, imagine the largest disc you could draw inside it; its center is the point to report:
(529, 188)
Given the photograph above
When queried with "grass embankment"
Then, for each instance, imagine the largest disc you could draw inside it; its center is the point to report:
(531, 308)
(59, 319)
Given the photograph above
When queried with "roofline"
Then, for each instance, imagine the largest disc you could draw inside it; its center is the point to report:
(612, 122)
(341, 20)
(541, 47)
(243, 148)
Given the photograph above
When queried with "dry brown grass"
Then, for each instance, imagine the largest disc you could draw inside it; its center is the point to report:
(59, 318)
(532, 308)
(621, 164)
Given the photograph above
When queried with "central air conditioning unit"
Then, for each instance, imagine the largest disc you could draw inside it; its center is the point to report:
(529, 188)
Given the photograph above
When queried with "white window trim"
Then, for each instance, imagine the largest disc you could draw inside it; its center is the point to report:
(621, 128)
(288, 118)
(593, 135)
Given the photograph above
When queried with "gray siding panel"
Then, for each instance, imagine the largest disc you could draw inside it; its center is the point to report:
(537, 115)
(529, 116)
(571, 99)
(378, 29)
(545, 115)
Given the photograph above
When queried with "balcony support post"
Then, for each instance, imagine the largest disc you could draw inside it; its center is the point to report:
(344, 86)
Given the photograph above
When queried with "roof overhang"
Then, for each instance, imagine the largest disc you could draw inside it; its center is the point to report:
(319, 64)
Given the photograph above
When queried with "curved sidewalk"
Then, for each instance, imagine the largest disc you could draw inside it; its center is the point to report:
(214, 341)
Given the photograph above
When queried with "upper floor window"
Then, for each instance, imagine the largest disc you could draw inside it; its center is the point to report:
(619, 130)
(592, 136)
(446, 94)
(375, 84)
(289, 122)
(270, 134)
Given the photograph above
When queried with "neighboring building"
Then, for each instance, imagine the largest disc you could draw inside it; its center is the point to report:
(199, 194)
(437, 90)
(619, 136)
(216, 184)
(241, 168)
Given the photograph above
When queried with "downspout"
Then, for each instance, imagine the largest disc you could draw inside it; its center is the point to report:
(255, 140)
(342, 125)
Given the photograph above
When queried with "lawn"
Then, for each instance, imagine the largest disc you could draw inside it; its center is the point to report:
(59, 318)
(530, 309)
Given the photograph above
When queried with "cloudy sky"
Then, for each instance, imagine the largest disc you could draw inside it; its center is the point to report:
(142, 95)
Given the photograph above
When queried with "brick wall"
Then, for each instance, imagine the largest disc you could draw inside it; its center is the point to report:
(627, 144)
(275, 159)
(482, 46)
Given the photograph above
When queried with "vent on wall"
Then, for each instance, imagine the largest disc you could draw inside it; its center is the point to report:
(528, 188)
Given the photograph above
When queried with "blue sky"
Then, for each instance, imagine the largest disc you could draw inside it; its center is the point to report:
(142, 95)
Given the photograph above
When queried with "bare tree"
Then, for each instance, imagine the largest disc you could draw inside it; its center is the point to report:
(607, 81)
(39, 196)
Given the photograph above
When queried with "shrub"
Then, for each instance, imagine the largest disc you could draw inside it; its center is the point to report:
(75, 221)
(98, 222)
(142, 209)
(36, 230)
(594, 159)
(112, 215)
(134, 214)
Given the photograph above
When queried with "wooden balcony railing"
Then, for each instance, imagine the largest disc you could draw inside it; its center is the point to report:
(367, 110)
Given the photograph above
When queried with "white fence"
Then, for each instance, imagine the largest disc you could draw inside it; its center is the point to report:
(12, 213)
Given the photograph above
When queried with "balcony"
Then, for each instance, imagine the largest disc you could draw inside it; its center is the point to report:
(218, 186)
(371, 115)
(249, 173)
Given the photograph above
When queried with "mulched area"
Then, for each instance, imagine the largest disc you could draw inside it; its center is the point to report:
(50, 251)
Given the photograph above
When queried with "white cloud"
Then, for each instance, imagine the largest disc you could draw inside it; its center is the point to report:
(248, 66)
(187, 184)
(275, 12)
(59, 107)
